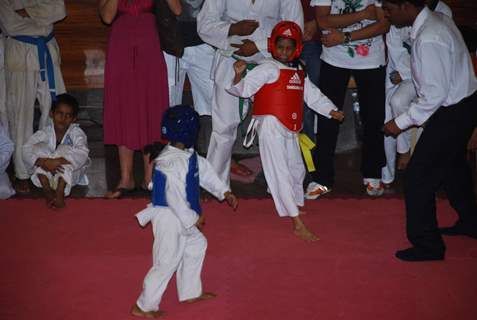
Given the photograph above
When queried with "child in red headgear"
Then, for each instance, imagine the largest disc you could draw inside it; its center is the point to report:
(280, 87)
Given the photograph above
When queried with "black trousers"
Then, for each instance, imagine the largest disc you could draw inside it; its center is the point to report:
(439, 160)
(333, 84)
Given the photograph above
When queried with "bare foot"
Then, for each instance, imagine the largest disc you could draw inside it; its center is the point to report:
(22, 186)
(50, 198)
(59, 202)
(304, 234)
(403, 160)
(202, 297)
(136, 311)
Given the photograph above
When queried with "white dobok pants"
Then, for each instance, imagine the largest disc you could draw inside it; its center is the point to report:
(282, 164)
(225, 119)
(174, 250)
(70, 176)
(197, 64)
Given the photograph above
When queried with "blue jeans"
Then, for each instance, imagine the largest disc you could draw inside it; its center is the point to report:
(311, 55)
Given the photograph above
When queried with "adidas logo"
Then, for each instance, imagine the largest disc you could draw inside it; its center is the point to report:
(287, 33)
(295, 79)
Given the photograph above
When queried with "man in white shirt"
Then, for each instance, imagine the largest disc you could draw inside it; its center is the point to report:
(400, 92)
(238, 29)
(446, 87)
(32, 69)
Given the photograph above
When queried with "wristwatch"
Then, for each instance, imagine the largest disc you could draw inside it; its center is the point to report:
(347, 37)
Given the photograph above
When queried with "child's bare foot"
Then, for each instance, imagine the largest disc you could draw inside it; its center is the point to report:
(304, 234)
(203, 296)
(403, 160)
(301, 231)
(59, 202)
(50, 198)
(136, 311)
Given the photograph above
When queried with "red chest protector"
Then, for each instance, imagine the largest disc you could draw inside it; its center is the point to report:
(283, 99)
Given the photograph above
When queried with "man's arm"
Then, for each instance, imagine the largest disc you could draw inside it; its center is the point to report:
(14, 25)
(210, 27)
(47, 12)
(433, 67)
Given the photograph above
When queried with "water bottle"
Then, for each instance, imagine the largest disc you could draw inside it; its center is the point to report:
(357, 118)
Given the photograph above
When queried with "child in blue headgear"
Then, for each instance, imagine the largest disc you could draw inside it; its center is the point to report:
(176, 215)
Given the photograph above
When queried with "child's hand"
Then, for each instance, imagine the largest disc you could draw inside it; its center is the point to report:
(51, 165)
(239, 67)
(395, 77)
(231, 199)
(337, 115)
(200, 223)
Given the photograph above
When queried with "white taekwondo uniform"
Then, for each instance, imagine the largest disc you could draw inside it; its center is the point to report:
(6, 151)
(73, 147)
(196, 63)
(279, 147)
(213, 24)
(27, 79)
(178, 245)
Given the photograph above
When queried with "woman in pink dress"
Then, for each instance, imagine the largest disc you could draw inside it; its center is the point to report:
(135, 88)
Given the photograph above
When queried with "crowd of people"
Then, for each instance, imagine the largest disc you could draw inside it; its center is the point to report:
(290, 62)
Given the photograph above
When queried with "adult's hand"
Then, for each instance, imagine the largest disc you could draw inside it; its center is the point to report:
(332, 37)
(246, 49)
(23, 13)
(391, 129)
(243, 28)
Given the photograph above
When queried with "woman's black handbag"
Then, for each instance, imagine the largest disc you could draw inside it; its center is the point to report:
(168, 29)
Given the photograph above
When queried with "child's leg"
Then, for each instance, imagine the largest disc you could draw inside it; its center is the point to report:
(168, 250)
(400, 102)
(60, 194)
(280, 175)
(189, 285)
(47, 191)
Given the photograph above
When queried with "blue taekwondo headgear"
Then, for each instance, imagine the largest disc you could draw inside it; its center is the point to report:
(181, 124)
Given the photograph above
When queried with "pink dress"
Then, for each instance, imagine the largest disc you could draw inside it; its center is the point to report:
(135, 84)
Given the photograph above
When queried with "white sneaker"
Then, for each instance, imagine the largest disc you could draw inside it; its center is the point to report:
(374, 187)
(316, 190)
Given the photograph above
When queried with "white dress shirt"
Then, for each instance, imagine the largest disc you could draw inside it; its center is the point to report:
(441, 67)
(398, 41)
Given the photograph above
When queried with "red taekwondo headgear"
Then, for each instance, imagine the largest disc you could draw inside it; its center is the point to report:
(288, 30)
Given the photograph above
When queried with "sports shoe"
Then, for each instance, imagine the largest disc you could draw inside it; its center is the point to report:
(316, 190)
(374, 187)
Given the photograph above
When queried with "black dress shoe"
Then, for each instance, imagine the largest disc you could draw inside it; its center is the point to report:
(414, 254)
(459, 230)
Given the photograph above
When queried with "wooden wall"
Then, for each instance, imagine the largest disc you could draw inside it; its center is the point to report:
(82, 38)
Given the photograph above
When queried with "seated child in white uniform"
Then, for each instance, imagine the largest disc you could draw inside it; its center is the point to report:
(179, 245)
(6, 150)
(58, 154)
(280, 88)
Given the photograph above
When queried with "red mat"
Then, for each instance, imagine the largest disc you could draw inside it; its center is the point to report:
(88, 262)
